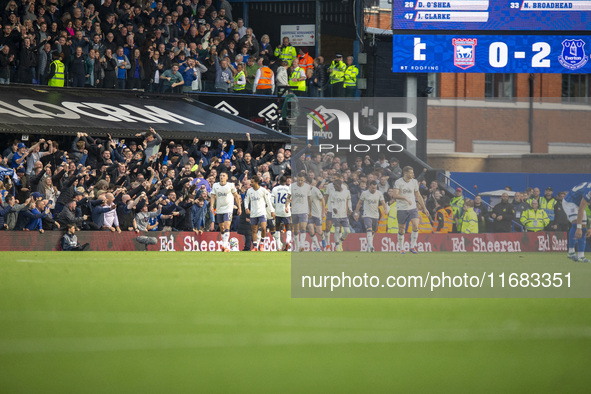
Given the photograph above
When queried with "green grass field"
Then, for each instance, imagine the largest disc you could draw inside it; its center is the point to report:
(119, 322)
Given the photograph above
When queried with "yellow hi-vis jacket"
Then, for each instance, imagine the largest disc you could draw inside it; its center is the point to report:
(58, 77)
(351, 76)
(337, 73)
(424, 224)
(469, 224)
(534, 220)
(392, 219)
(548, 206)
(296, 74)
(286, 53)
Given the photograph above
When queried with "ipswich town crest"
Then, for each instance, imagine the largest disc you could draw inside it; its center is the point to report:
(573, 54)
(464, 52)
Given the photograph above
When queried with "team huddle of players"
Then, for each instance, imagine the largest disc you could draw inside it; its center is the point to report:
(299, 208)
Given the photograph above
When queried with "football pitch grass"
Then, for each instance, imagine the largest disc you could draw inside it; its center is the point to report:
(145, 322)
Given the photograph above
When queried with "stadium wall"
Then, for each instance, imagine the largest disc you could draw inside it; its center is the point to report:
(527, 163)
(490, 181)
(474, 124)
(491, 242)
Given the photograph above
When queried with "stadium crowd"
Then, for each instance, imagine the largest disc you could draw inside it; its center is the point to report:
(158, 46)
(147, 184)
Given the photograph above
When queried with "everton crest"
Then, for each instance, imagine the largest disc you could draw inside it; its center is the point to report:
(573, 54)
(464, 52)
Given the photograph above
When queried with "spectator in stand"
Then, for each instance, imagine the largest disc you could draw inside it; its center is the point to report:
(286, 52)
(311, 83)
(265, 48)
(27, 61)
(249, 41)
(136, 75)
(519, 205)
(394, 171)
(68, 216)
(154, 69)
(297, 79)
(433, 202)
(444, 218)
(560, 222)
(173, 80)
(78, 69)
(321, 74)
(18, 159)
(305, 61)
(224, 80)
(192, 73)
(6, 63)
(264, 81)
(152, 141)
(31, 219)
(109, 65)
(94, 69)
(241, 28)
(503, 214)
(457, 204)
(250, 72)
(239, 79)
(282, 78)
(535, 195)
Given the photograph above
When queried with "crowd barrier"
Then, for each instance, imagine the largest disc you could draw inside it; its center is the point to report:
(190, 241)
(166, 241)
(489, 242)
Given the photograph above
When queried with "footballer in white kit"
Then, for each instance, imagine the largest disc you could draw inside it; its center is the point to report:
(300, 209)
(406, 192)
(371, 200)
(340, 201)
(315, 219)
(256, 202)
(328, 204)
(280, 196)
(223, 197)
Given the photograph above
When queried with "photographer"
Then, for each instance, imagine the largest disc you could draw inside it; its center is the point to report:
(70, 241)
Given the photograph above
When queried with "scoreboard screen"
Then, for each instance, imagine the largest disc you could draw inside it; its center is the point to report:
(491, 54)
(559, 15)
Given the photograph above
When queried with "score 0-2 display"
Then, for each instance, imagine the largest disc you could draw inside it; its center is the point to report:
(491, 54)
(536, 15)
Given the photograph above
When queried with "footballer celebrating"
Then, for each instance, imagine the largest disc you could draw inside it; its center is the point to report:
(315, 219)
(280, 196)
(574, 205)
(300, 207)
(406, 190)
(371, 200)
(256, 202)
(223, 197)
(340, 201)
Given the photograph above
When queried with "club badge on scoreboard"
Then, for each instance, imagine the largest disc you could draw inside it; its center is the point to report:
(573, 54)
(464, 52)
